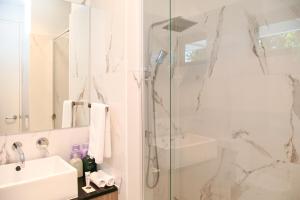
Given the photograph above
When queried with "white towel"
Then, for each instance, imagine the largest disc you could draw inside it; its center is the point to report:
(102, 179)
(67, 116)
(99, 133)
(98, 180)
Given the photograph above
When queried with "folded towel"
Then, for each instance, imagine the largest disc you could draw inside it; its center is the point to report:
(99, 133)
(67, 115)
(102, 179)
(98, 180)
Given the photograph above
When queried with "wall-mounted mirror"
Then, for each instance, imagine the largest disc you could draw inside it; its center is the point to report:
(44, 65)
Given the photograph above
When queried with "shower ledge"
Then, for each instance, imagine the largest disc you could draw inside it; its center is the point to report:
(187, 150)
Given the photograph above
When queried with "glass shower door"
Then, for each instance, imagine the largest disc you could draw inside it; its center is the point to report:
(156, 98)
(235, 113)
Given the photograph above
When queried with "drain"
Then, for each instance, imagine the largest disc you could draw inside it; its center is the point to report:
(18, 168)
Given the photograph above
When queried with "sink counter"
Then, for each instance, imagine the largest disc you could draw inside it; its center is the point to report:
(52, 176)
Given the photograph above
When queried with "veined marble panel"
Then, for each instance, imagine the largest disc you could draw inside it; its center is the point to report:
(108, 77)
(242, 89)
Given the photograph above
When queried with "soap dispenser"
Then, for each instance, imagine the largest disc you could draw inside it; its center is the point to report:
(89, 164)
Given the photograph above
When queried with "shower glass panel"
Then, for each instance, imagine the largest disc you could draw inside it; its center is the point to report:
(156, 98)
(235, 100)
(224, 112)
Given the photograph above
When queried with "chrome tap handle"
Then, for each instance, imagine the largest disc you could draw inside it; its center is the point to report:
(42, 143)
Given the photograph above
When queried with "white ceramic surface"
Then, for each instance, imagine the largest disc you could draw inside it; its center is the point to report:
(49, 178)
(188, 149)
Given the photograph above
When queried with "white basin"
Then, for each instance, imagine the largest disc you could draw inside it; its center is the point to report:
(187, 150)
(49, 178)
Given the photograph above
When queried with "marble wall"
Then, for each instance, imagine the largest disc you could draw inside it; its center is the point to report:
(243, 91)
(108, 77)
(60, 143)
(116, 80)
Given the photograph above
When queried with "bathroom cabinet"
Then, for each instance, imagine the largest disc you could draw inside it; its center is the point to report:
(110, 196)
(107, 193)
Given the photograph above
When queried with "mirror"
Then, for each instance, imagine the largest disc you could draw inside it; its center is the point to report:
(44, 65)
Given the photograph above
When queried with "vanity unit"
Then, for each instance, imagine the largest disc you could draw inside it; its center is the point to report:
(56, 180)
(107, 193)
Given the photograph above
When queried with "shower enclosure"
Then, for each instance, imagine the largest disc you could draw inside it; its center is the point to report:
(221, 95)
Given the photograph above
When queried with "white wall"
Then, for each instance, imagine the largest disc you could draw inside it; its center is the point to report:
(40, 83)
(49, 17)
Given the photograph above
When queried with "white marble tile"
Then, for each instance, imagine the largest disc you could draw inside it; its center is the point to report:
(60, 143)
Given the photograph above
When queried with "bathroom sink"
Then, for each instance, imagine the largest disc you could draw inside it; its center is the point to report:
(187, 150)
(49, 178)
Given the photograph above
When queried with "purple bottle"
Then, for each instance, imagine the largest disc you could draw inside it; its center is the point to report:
(84, 150)
(76, 151)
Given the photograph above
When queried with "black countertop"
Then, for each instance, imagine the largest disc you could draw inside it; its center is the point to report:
(82, 195)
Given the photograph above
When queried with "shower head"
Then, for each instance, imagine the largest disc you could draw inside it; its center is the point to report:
(161, 56)
(179, 24)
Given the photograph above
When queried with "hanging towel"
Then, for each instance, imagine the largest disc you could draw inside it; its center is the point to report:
(99, 132)
(102, 179)
(67, 116)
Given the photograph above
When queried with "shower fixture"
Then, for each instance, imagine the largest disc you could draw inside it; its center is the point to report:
(151, 136)
(161, 56)
(177, 24)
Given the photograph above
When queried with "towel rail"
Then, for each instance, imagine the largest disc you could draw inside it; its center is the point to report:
(90, 105)
(81, 103)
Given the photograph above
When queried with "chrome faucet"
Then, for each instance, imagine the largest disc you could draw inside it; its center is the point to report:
(42, 144)
(17, 147)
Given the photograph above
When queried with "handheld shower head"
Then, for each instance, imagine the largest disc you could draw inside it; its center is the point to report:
(161, 56)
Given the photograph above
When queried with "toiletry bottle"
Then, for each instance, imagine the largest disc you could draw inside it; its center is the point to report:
(84, 149)
(76, 162)
(89, 164)
(87, 179)
(76, 150)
